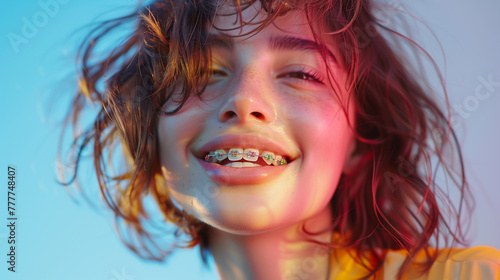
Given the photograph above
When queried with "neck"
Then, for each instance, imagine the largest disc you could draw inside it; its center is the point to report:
(283, 253)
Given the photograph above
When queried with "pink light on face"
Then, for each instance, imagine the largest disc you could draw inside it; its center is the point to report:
(263, 88)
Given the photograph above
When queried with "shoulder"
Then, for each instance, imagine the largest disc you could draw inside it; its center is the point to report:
(470, 263)
(480, 262)
(453, 263)
(480, 253)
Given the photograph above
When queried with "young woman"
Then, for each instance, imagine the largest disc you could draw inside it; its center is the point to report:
(288, 139)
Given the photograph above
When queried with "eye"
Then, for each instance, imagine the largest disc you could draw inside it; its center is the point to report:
(217, 73)
(304, 75)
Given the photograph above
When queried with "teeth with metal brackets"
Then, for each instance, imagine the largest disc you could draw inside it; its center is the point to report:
(249, 155)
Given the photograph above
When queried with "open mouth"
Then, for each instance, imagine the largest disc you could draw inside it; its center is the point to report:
(239, 157)
(245, 160)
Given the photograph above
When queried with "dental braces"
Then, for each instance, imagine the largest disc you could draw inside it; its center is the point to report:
(218, 154)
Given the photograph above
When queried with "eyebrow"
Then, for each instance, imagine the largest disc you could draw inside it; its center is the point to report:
(277, 43)
(291, 43)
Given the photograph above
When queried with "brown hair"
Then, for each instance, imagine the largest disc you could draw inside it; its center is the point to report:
(389, 201)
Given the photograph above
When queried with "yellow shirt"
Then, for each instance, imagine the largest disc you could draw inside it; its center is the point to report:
(481, 263)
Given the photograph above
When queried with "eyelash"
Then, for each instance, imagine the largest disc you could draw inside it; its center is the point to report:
(304, 75)
(217, 71)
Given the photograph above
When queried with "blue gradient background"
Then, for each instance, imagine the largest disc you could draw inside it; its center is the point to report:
(58, 238)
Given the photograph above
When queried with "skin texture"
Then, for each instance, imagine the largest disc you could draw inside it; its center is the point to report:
(256, 228)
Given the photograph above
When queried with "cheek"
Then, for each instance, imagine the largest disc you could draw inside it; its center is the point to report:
(171, 141)
(323, 133)
(319, 124)
(331, 143)
(175, 133)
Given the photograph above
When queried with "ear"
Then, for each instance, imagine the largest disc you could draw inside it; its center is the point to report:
(352, 158)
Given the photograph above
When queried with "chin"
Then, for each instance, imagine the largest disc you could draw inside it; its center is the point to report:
(242, 228)
(244, 222)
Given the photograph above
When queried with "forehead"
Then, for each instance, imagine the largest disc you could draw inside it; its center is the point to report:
(291, 31)
(229, 22)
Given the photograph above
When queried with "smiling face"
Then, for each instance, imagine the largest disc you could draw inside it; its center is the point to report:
(269, 95)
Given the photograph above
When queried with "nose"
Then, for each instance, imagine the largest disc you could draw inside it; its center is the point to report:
(250, 100)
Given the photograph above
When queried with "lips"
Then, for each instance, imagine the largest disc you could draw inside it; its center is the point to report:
(246, 142)
(244, 175)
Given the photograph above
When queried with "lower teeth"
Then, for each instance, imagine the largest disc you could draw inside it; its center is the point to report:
(242, 164)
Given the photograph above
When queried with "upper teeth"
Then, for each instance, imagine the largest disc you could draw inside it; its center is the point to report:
(235, 154)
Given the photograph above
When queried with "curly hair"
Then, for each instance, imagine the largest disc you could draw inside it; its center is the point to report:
(389, 201)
